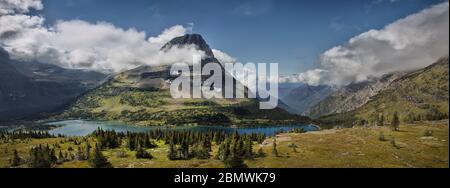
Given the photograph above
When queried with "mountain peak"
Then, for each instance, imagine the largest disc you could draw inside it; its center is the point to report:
(189, 39)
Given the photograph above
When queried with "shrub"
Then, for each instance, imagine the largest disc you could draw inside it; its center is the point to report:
(393, 143)
(261, 153)
(381, 136)
(121, 153)
(142, 154)
(428, 133)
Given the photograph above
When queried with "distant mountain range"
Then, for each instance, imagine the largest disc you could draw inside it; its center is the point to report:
(301, 97)
(324, 102)
(141, 96)
(29, 89)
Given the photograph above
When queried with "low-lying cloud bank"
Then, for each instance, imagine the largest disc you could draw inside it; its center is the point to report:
(406, 44)
(79, 44)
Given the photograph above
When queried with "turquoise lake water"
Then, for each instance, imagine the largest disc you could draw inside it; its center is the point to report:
(85, 127)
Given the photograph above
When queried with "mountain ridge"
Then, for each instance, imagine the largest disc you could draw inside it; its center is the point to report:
(417, 95)
(351, 96)
(140, 96)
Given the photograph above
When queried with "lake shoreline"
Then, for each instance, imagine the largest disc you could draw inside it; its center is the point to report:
(79, 127)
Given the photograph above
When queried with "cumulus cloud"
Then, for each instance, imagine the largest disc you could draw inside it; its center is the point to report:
(168, 34)
(310, 77)
(19, 6)
(406, 44)
(97, 46)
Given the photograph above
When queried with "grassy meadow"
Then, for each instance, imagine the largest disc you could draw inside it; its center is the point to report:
(418, 145)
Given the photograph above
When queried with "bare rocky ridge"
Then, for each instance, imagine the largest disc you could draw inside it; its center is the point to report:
(416, 96)
(352, 96)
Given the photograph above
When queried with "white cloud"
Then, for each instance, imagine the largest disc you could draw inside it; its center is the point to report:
(97, 46)
(223, 57)
(310, 77)
(168, 34)
(19, 6)
(407, 44)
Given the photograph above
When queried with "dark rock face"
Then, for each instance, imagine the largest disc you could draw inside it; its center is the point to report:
(190, 39)
(196, 40)
(28, 89)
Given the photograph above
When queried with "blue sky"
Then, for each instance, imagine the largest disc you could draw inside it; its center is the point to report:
(292, 33)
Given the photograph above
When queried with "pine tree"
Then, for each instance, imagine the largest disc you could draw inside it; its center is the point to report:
(248, 149)
(395, 122)
(200, 152)
(79, 156)
(87, 152)
(42, 157)
(234, 161)
(16, 160)
(274, 149)
(142, 154)
(172, 155)
(380, 120)
(261, 152)
(98, 160)
(61, 157)
(184, 149)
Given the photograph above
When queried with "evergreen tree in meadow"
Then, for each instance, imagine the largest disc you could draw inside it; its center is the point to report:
(261, 152)
(16, 160)
(79, 155)
(200, 152)
(172, 154)
(61, 157)
(380, 120)
(184, 149)
(249, 149)
(274, 149)
(87, 152)
(142, 154)
(98, 160)
(395, 122)
(234, 161)
(42, 157)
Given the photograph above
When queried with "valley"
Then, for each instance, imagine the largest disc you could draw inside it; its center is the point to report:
(130, 120)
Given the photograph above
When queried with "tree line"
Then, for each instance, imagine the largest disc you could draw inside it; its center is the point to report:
(182, 145)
